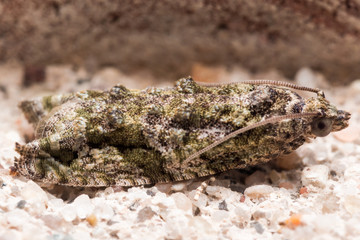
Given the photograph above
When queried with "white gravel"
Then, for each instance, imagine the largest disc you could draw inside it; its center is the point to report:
(312, 194)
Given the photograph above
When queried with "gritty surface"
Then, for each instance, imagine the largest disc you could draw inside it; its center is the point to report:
(313, 193)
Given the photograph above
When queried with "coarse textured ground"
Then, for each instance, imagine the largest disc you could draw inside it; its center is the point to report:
(311, 194)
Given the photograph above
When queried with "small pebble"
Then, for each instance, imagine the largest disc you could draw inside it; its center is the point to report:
(83, 206)
(10, 234)
(236, 232)
(219, 215)
(33, 193)
(145, 214)
(81, 233)
(182, 201)
(331, 204)
(352, 173)
(303, 190)
(219, 192)
(162, 199)
(221, 183)
(21, 204)
(316, 175)
(257, 177)
(202, 226)
(92, 220)
(333, 174)
(196, 211)
(53, 221)
(286, 185)
(352, 203)
(56, 203)
(99, 233)
(163, 187)
(288, 161)
(68, 212)
(294, 221)
(109, 190)
(36, 207)
(117, 189)
(258, 227)
(134, 206)
(178, 187)
(17, 218)
(60, 237)
(258, 191)
(258, 214)
(150, 193)
(137, 193)
(275, 177)
(321, 153)
(104, 211)
(223, 206)
(243, 214)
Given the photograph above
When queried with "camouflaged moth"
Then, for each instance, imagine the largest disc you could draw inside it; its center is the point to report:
(131, 137)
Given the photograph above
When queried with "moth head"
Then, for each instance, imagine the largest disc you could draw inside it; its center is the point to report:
(329, 120)
(341, 121)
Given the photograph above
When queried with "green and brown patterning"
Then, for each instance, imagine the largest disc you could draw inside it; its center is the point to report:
(131, 137)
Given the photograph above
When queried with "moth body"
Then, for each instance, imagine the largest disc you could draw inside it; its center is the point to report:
(130, 137)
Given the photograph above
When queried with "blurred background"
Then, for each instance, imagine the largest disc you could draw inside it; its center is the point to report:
(161, 41)
(56, 46)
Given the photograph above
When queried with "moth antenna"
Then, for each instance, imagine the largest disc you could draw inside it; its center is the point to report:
(247, 128)
(268, 82)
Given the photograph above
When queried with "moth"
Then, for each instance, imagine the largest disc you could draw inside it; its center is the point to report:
(136, 137)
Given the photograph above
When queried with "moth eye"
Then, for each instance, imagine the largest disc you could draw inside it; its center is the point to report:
(321, 127)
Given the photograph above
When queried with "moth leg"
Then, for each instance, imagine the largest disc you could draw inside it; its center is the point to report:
(202, 187)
